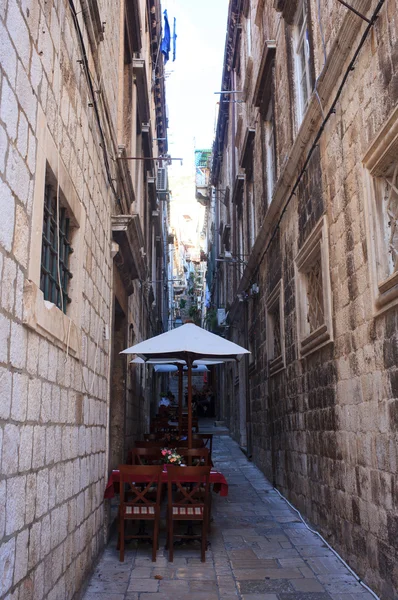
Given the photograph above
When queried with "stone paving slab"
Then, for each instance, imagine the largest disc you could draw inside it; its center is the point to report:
(259, 550)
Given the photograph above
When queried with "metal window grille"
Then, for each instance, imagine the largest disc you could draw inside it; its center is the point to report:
(276, 331)
(50, 258)
(316, 316)
(391, 210)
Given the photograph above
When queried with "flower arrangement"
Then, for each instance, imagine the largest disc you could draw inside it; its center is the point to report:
(170, 456)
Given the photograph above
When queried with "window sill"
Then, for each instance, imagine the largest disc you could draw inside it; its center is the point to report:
(387, 297)
(276, 365)
(48, 320)
(316, 340)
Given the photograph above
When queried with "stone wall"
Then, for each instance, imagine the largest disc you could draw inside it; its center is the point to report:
(323, 428)
(54, 370)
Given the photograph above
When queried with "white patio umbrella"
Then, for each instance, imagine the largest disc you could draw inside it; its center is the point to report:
(188, 343)
(165, 368)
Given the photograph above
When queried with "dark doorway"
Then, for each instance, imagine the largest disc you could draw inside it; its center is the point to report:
(118, 390)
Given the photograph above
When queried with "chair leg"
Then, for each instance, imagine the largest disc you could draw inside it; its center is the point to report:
(170, 536)
(118, 530)
(121, 536)
(155, 543)
(204, 539)
(209, 513)
(167, 531)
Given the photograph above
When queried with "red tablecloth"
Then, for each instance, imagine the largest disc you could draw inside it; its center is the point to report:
(217, 479)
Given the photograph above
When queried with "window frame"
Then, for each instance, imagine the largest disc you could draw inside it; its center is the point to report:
(275, 299)
(301, 40)
(315, 246)
(52, 255)
(270, 151)
(378, 161)
(43, 316)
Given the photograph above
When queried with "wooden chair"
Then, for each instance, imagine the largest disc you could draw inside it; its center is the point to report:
(195, 444)
(149, 444)
(137, 503)
(195, 424)
(149, 436)
(195, 456)
(198, 457)
(186, 504)
(207, 440)
(146, 456)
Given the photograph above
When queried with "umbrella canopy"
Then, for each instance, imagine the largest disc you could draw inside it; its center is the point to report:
(189, 343)
(173, 363)
(173, 369)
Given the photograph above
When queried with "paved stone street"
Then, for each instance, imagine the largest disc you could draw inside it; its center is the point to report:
(259, 550)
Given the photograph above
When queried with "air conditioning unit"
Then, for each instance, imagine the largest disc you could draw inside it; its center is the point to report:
(221, 316)
(161, 182)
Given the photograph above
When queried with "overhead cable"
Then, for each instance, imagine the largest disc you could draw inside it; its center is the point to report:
(84, 62)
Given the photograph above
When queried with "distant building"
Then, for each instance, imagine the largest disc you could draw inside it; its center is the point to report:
(304, 260)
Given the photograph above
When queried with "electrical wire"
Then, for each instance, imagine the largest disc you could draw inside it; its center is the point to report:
(61, 296)
(324, 55)
(86, 69)
(327, 544)
(66, 335)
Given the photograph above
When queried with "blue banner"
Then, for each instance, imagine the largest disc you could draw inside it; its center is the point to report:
(165, 47)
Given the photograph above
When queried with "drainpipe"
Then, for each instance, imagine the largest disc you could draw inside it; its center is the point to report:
(233, 159)
(247, 391)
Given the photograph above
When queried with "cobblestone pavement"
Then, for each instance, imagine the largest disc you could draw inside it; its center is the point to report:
(259, 550)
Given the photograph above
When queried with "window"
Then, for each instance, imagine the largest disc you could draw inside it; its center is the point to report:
(275, 330)
(55, 274)
(302, 55)
(252, 215)
(92, 19)
(381, 177)
(387, 194)
(47, 311)
(249, 36)
(270, 152)
(313, 292)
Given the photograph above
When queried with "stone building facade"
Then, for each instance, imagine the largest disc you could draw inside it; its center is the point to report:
(306, 231)
(82, 101)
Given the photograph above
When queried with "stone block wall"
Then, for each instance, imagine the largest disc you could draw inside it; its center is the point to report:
(53, 400)
(324, 428)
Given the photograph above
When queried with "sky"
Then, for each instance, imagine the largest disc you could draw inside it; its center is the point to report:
(194, 76)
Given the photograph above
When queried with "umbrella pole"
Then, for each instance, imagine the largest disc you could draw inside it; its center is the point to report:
(189, 365)
(180, 378)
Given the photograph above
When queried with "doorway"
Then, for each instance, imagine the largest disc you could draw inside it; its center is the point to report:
(117, 429)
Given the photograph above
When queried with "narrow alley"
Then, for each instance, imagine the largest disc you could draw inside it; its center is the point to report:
(198, 243)
(259, 550)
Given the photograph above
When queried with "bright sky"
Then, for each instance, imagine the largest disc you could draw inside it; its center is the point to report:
(196, 75)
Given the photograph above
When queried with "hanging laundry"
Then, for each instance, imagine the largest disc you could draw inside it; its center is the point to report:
(165, 47)
(174, 39)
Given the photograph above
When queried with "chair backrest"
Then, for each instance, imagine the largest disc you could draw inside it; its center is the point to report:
(149, 444)
(190, 495)
(159, 424)
(195, 420)
(195, 456)
(195, 444)
(136, 484)
(146, 456)
(207, 440)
